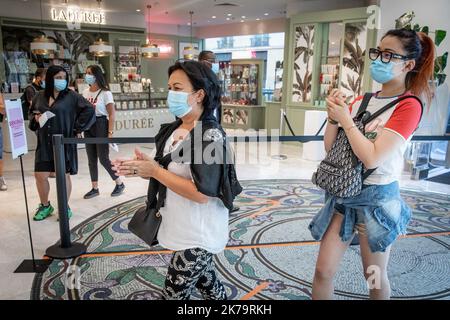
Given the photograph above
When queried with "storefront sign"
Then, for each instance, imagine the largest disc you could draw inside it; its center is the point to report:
(78, 15)
(141, 123)
(16, 127)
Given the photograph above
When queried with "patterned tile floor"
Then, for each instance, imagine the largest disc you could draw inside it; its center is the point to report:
(271, 254)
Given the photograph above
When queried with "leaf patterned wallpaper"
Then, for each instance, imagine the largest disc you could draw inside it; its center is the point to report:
(303, 63)
(353, 60)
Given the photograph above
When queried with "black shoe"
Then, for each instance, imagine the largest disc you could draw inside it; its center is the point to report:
(118, 190)
(91, 194)
(235, 208)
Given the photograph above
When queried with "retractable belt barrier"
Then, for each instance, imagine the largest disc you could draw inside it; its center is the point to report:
(65, 248)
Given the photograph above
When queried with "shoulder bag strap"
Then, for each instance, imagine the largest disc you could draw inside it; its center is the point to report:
(367, 173)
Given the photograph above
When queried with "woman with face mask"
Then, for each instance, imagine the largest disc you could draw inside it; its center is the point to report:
(192, 170)
(73, 114)
(101, 97)
(403, 64)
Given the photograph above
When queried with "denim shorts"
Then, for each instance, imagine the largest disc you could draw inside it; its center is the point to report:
(1, 142)
(360, 225)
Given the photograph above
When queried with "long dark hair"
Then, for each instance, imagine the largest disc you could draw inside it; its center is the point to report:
(201, 77)
(50, 81)
(99, 77)
(420, 47)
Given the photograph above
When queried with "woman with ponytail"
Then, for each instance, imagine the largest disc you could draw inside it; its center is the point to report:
(403, 63)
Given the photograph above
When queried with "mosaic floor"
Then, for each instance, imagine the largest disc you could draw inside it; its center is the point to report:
(270, 254)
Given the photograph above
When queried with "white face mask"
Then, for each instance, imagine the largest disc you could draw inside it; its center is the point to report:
(215, 67)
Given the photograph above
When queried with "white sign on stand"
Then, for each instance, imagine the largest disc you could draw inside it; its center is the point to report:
(16, 125)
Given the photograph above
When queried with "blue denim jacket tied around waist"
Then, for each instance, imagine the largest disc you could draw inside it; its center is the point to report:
(386, 215)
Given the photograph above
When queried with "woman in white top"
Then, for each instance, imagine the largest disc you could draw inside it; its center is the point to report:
(101, 97)
(199, 193)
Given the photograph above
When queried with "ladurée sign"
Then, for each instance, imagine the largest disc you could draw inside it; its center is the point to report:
(78, 15)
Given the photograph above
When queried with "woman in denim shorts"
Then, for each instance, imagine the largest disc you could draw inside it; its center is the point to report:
(403, 63)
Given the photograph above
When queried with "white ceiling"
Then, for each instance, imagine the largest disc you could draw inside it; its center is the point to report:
(177, 11)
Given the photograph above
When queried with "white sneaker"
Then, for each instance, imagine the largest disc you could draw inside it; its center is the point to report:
(3, 186)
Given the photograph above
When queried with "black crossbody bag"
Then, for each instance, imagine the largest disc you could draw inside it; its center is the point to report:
(146, 221)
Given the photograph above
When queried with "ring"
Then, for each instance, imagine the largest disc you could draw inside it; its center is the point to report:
(134, 171)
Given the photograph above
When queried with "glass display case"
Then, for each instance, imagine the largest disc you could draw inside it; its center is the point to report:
(140, 100)
(242, 94)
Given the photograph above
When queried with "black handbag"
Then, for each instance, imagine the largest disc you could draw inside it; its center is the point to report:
(146, 220)
(145, 224)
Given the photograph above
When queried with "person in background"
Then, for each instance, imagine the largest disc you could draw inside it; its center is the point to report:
(3, 186)
(32, 90)
(73, 115)
(403, 63)
(101, 97)
(209, 59)
(198, 195)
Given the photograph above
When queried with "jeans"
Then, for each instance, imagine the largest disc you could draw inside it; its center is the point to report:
(100, 152)
(381, 209)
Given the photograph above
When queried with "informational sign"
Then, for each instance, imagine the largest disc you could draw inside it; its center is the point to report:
(16, 125)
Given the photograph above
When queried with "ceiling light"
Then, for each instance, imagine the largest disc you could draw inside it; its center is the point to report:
(257, 19)
(229, 14)
(190, 52)
(243, 17)
(266, 14)
(138, 10)
(149, 50)
(42, 45)
(213, 17)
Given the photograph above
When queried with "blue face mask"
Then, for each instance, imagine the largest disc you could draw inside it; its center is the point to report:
(178, 103)
(60, 84)
(43, 84)
(383, 72)
(215, 68)
(90, 79)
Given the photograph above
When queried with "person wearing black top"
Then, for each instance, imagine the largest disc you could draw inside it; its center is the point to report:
(73, 115)
(32, 90)
(195, 193)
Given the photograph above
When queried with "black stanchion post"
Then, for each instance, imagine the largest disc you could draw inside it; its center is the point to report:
(65, 249)
(33, 265)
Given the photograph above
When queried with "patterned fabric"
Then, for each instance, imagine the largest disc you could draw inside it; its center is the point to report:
(340, 173)
(190, 269)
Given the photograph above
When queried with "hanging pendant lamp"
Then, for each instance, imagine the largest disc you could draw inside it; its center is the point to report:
(100, 48)
(189, 52)
(149, 50)
(42, 45)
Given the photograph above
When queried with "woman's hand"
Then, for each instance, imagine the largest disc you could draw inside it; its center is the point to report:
(139, 155)
(137, 168)
(337, 108)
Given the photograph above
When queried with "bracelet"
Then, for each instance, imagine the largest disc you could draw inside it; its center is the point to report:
(331, 121)
(348, 129)
(110, 132)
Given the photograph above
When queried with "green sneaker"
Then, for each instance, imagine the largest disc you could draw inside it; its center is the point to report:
(43, 212)
(70, 213)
